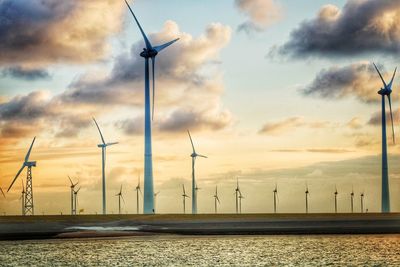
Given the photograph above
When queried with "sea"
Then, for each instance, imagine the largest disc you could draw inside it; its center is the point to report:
(280, 250)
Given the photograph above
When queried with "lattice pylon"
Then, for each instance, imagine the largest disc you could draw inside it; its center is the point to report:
(29, 193)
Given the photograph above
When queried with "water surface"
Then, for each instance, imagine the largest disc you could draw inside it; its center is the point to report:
(323, 250)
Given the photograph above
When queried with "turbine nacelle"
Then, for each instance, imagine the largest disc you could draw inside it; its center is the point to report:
(148, 53)
(30, 163)
(385, 91)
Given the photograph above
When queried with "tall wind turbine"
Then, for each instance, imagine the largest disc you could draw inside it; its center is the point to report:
(237, 193)
(336, 193)
(216, 199)
(119, 195)
(28, 202)
(352, 199)
(138, 190)
(385, 91)
(103, 146)
(155, 201)
(150, 52)
(194, 156)
(307, 193)
(275, 191)
(184, 195)
(362, 202)
(76, 199)
(72, 186)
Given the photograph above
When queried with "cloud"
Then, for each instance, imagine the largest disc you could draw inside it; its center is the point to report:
(29, 74)
(261, 14)
(359, 80)
(314, 150)
(355, 123)
(359, 27)
(283, 126)
(376, 118)
(50, 31)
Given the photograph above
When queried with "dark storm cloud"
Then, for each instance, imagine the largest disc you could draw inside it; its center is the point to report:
(358, 80)
(359, 27)
(19, 72)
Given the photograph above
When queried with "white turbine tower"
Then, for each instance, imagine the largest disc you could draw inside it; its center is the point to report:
(385, 91)
(72, 186)
(138, 190)
(184, 195)
(76, 199)
(28, 201)
(119, 195)
(336, 194)
(150, 52)
(216, 199)
(103, 146)
(275, 191)
(307, 193)
(194, 156)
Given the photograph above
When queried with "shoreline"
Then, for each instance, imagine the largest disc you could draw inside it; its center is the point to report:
(92, 226)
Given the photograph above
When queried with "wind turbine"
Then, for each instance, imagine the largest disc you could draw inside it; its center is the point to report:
(336, 193)
(216, 199)
(352, 199)
(138, 190)
(275, 191)
(184, 199)
(150, 52)
(307, 193)
(2, 192)
(28, 202)
(362, 202)
(155, 200)
(103, 146)
(385, 91)
(72, 186)
(194, 156)
(240, 201)
(76, 199)
(119, 195)
(237, 192)
(22, 198)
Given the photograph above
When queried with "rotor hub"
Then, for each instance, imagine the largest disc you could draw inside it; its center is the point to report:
(148, 53)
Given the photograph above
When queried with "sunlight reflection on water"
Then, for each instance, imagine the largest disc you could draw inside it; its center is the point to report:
(356, 250)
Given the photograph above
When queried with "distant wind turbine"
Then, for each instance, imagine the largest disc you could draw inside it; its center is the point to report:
(76, 199)
(119, 195)
(2, 192)
(362, 202)
(216, 199)
(138, 190)
(237, 193)
(28, 202)
(155, 201)
(103, 146)
(385, 91)
(240, 201)
(194, 156)
(352, 199)
(307, 193)
(275, 191)
(22, 198)
(336, 193)
(184, 195)
(72, 186)
(150, 52)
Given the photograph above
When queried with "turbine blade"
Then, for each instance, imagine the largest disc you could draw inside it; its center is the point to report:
(70, 180)
(29, 151)
(120, 190)
(202, 156)
(123, 199)
(16, 176)
(101, 135)
(218, 200)
(153, 62)
(2, 192)
(163, 46)
(148, 44)
(191, 141)
(110, 144)
(183, 187)
(391, 118)
(380, 75)
(391, 81)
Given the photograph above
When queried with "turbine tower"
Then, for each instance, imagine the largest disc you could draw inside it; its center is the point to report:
(237, 193)
(352, 200)
(275, 191)
(103, 146)
(28, 200)
(184, 195)
(385, 91)
(119, 195)
(155, 201)
(362, 202)
(336, 193)
(22, 198)
(216, 199)
(307, 193)
(76, 199)
(149, 52)
(72, 186)
(240, 202)
(138, 190)
(194, 156)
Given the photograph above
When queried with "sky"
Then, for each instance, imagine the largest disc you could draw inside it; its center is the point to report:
(274, 92)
